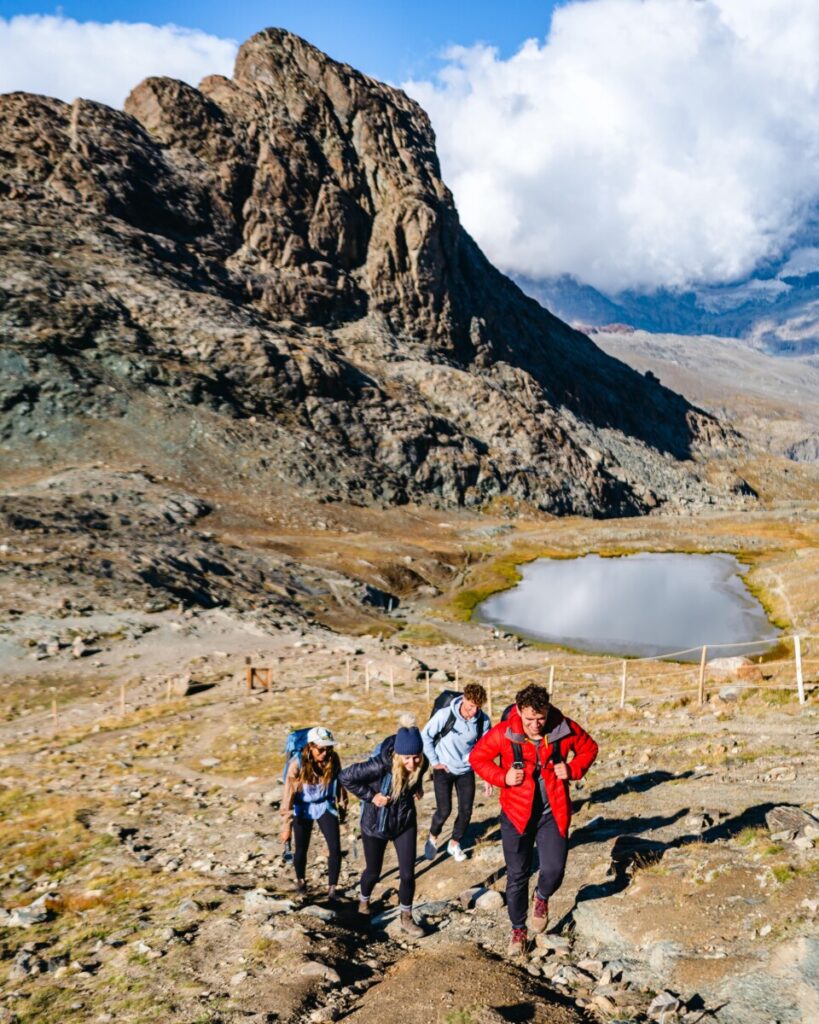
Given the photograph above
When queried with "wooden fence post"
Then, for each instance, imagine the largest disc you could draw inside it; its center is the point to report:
(797, 655)
(623, 687)
(249, 677)
(701, 690)
(551, 680)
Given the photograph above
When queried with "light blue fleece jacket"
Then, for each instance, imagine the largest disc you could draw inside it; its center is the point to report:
(454, 749)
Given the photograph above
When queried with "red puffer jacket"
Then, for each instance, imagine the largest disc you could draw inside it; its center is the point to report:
(516, 801)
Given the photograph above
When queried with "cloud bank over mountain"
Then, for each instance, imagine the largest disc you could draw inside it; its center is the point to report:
(58, 56)
(643, 144)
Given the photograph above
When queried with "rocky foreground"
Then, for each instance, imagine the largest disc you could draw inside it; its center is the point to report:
(142, 877)
(262, 286)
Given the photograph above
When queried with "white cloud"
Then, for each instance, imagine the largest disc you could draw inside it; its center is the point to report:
(643, 143)
(61, 57)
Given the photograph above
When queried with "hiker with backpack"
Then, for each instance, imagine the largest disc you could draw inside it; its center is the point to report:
(531, 756)
(388, 785)
(313, 794)
(456, 725)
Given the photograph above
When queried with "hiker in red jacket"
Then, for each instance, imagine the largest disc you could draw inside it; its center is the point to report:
(531, 757)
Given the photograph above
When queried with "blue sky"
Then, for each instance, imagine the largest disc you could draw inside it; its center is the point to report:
(634, 144)
(388, 40)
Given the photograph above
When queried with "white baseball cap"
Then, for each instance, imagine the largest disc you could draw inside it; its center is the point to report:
(320, 736)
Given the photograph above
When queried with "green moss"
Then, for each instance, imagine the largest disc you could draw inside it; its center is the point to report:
(783, 873)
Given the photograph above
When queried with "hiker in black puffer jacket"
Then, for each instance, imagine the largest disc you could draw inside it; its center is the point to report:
(388, 785)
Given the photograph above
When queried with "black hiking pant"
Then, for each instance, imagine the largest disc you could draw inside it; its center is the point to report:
(552, 850)
(303, 829)
(464, 785)
(374, 849)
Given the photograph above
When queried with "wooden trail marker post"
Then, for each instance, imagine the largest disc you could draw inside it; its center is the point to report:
(551, 680)
(623, 687)
(701, 688)
(797, 656)
(262, 676)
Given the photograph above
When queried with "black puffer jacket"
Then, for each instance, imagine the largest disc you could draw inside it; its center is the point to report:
(368, 778)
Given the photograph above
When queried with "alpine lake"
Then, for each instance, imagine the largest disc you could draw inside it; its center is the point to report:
(643, 605)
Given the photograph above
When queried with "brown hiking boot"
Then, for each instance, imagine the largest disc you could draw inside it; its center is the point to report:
(409, 926)
(540, 915)
(518, 942)
(364, 907)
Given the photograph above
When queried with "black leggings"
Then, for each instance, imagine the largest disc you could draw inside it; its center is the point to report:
(302, 829)
(374, 849)
(464, 785)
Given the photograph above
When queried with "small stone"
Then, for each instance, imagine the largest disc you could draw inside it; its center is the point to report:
(766, 929)
(489, 900)
(209, 762)
(803, 843)
(262, 904)
(664, 1002)
(316, 969)
(551, 943)
(238, 978)
(322, 913)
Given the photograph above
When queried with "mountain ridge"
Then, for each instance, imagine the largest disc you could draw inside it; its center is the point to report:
(273, 262)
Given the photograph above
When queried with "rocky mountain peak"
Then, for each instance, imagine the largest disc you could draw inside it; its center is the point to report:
(272, 261)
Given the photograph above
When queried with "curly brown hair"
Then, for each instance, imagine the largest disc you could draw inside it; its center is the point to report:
(534, 697)
(475, 692)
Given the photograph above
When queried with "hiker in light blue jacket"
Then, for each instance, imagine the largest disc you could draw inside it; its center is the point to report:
(456, 725)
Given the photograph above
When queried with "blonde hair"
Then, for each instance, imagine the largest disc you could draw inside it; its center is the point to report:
(403, 780)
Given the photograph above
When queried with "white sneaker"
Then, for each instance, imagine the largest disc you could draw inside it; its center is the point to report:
(454, 850)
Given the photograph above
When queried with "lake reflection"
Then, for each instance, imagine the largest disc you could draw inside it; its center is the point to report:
(641, 605)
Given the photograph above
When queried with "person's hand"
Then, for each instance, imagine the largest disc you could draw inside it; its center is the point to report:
(514, 777)
(284, 835)
(440, 767)
(488, 789)
(381, 799)
(561, 770)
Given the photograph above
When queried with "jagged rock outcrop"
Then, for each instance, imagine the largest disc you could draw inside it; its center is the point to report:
(264, 281)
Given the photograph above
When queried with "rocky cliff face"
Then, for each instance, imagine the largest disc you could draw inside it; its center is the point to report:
(264, 283)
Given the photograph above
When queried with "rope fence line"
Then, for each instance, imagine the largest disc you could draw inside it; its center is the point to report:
(381, 675)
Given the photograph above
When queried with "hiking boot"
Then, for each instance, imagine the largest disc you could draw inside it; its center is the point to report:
(331, 892)
(454, 850)
(409, 927)
(301, 886)
(518, 942)
(540, 915)
(431, 847)
(364, 907)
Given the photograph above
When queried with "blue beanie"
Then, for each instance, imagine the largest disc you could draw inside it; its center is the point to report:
(408, 741)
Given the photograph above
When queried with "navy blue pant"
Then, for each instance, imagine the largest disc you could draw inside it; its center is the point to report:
(552, 850)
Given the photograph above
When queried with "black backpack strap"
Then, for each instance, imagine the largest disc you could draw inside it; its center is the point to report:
(517, 753)
(555, 755)
(445, 729)
(479, 725)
